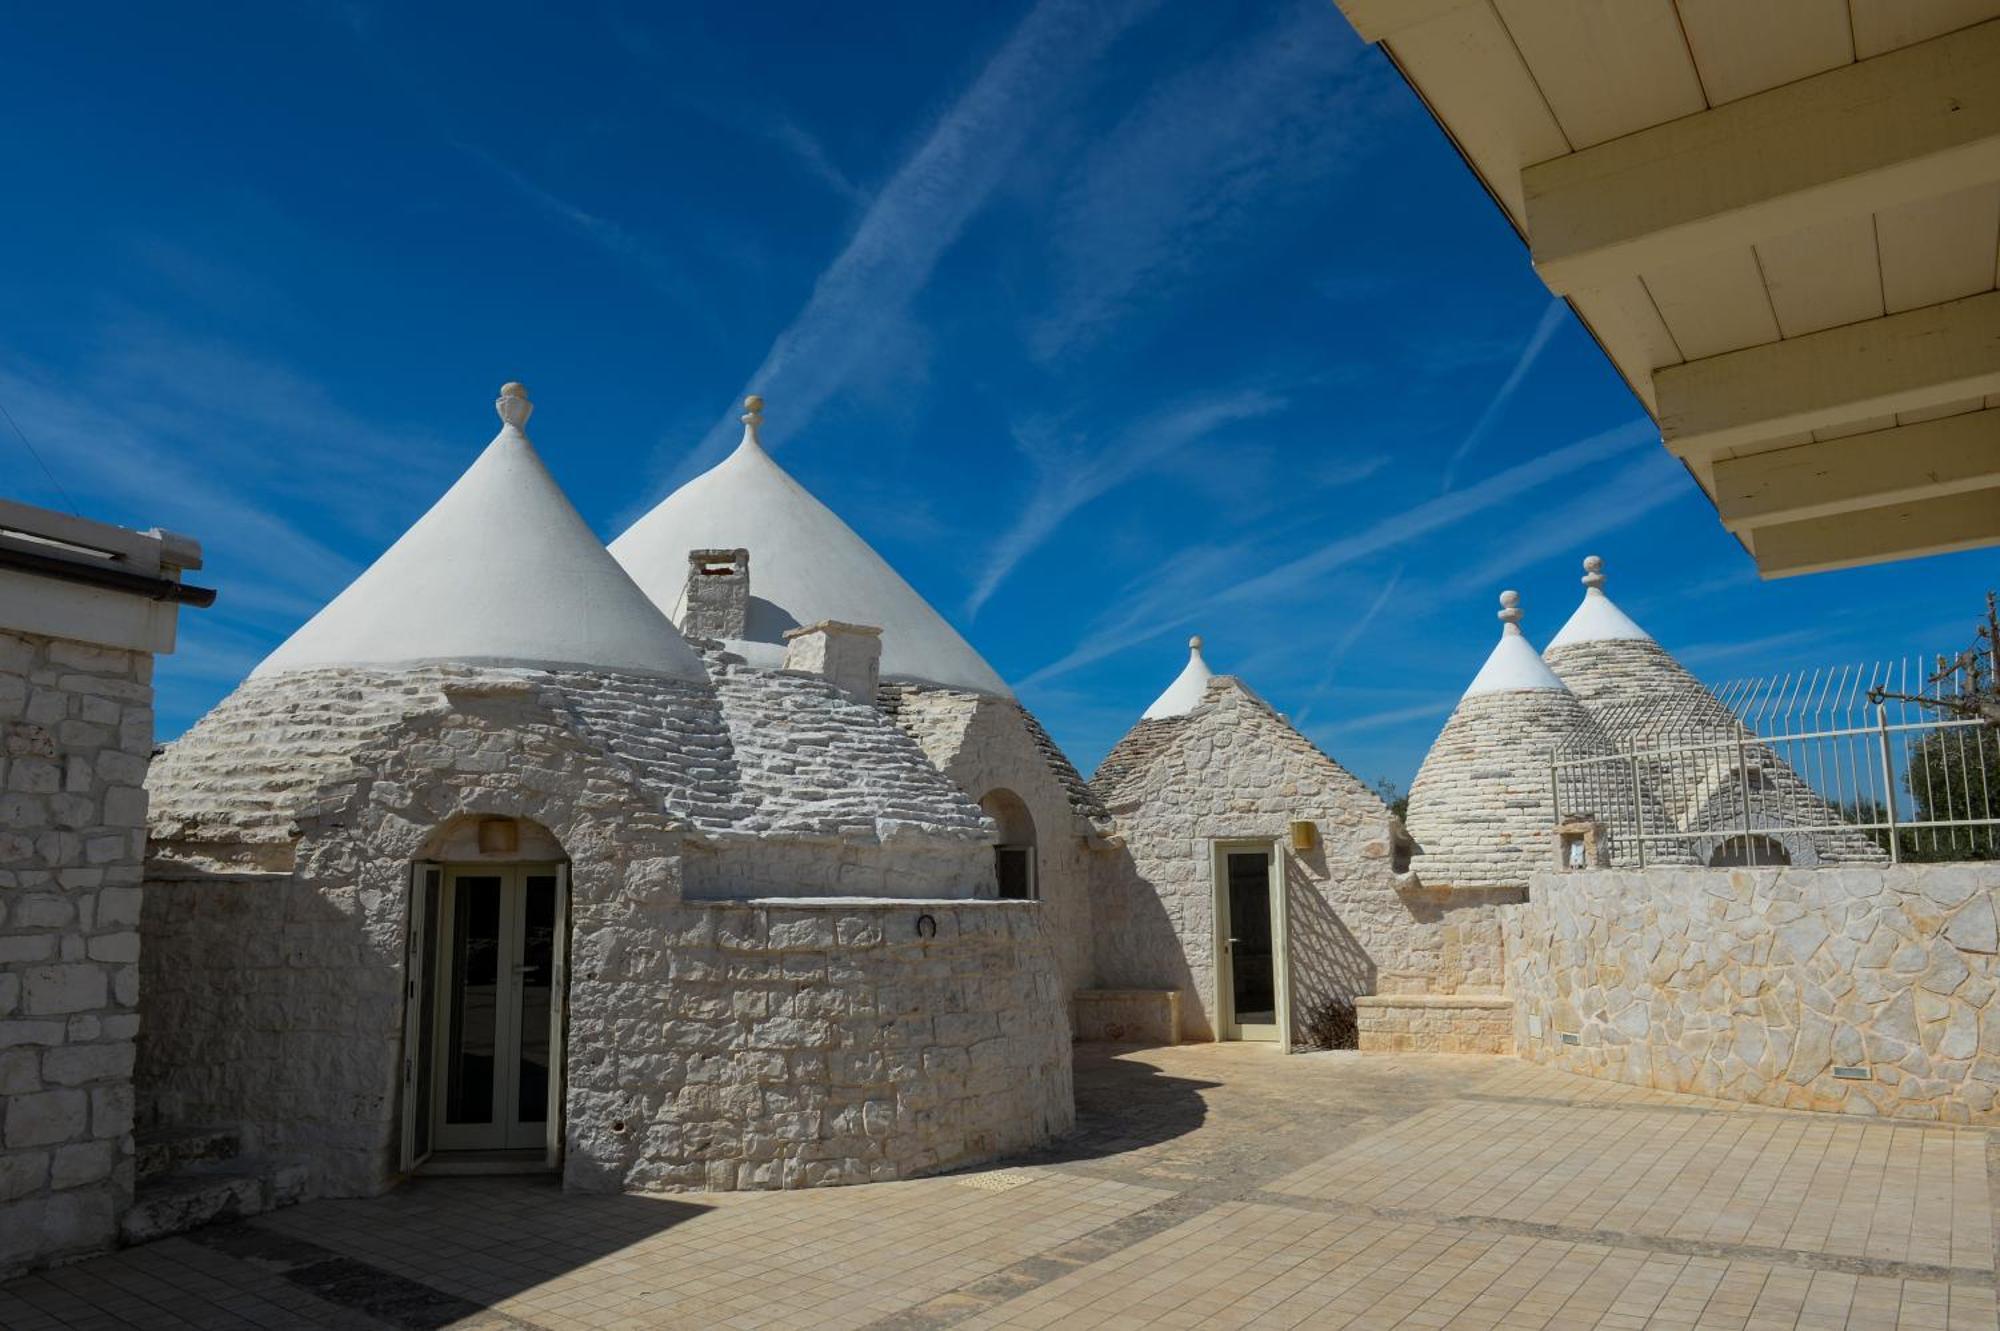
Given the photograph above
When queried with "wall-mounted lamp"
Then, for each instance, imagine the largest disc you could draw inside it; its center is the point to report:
(499, 836)
(1305, 835)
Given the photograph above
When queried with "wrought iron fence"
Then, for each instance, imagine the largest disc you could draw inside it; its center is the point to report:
(1852, 764)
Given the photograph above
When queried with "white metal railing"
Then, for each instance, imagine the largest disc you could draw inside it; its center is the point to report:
(1864, 763)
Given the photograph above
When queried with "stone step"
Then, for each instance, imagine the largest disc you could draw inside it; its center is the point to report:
(205, 1193)
(161, 1151)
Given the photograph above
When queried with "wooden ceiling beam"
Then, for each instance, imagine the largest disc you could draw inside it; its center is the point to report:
(1912, 124)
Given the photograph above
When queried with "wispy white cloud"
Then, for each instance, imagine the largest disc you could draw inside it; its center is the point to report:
(666, 275)
(1531, 351)
(811, 154)
(1436, 708)
(862, 295)
(1598, 507)
(1176, 597)
(1196, 162)
(1071, 473)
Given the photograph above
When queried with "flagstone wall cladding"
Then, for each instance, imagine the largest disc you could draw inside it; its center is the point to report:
(1234, 769)
(1755, 984)
(76, 731)
(711, 1044)
(985, 744)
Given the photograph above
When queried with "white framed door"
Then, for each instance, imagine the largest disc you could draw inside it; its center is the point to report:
(496, 1011)
(1250, 952)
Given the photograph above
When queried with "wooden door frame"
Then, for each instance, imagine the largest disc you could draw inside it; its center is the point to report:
(1281, 978)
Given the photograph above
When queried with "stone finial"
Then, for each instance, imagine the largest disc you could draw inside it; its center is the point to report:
(513, 405)
(1194, 643)
(1593, 573)
(1510, 610)
(752, 417)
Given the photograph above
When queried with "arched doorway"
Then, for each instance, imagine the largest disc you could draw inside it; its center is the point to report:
(483, 1027)
(1014, 859)
(1740, 852)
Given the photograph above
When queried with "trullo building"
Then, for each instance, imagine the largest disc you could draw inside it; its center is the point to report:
(744, 557)
(1268, 890)
(1643, 698)
(487, 863)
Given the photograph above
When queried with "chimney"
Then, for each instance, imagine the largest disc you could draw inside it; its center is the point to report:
(847, 656)
(717, 599)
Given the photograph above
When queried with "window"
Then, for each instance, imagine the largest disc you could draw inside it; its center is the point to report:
(1014, 856)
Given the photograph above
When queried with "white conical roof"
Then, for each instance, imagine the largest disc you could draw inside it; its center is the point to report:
(806, 565)
(1597, 619)
(501, 571)
(1185, 693)
(1514, 665)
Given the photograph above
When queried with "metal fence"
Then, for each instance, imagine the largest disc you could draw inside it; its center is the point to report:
(1853, 764)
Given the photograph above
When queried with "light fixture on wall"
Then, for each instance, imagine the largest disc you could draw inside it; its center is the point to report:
(499, 836)
(1305, 835)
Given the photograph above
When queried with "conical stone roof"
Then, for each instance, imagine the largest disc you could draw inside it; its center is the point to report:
(1185, 693)
(1612, 664)
(1481, 811)
(806, 565)
(502, 571)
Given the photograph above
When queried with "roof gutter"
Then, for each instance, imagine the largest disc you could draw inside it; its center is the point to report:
(148, 585)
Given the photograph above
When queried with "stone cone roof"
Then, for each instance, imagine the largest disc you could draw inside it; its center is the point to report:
(1643, 697)
(1482, 810)
(806, 565)
(502, 571)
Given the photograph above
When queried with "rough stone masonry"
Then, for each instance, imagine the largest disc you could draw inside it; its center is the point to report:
(76, 731)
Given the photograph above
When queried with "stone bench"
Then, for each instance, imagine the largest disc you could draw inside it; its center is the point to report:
(1435, 1023)
(1126, 1016)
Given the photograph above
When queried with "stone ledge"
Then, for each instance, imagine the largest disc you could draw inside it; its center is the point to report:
(1126, 1016)
(1493, 1002)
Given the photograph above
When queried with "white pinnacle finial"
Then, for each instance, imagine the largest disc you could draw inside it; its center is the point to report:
(1194, 644)
(1593, 573)
(1510, 611)
(753, 416)
(513, 405)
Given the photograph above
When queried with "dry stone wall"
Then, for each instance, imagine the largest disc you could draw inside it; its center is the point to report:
(76, 731)
(1233, 769)
(711, 1043)
(1860, 989)
(808, 1042)
(985, 744)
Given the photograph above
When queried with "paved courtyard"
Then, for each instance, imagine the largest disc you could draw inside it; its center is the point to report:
(1211, 1185)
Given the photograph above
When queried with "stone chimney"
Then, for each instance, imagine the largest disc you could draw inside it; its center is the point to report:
(717, 599)
(847, 656)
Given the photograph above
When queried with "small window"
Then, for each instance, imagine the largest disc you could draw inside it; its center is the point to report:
(1015, 867)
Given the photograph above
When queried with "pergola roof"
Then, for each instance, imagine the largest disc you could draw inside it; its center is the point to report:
(1781, 221)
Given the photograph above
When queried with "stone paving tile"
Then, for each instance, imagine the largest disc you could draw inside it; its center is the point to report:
(1207, 1186)
(1812, 1183)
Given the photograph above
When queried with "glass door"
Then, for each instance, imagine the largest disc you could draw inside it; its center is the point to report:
(496, 998)
(1248, 977)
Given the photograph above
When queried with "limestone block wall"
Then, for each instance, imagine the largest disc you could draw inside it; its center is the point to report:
(76, 731)
(808, 1042)
(710, 1044)
(1859, 989)
(1233, 769)
(985, 744)
(275, 999)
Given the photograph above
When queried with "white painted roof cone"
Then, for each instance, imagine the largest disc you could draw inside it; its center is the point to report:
(501, 571)
(1514, 664)
(1597, 619)
(1186, 692)
(806, 566)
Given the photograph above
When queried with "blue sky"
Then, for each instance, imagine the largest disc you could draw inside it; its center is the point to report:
(1105, 321)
